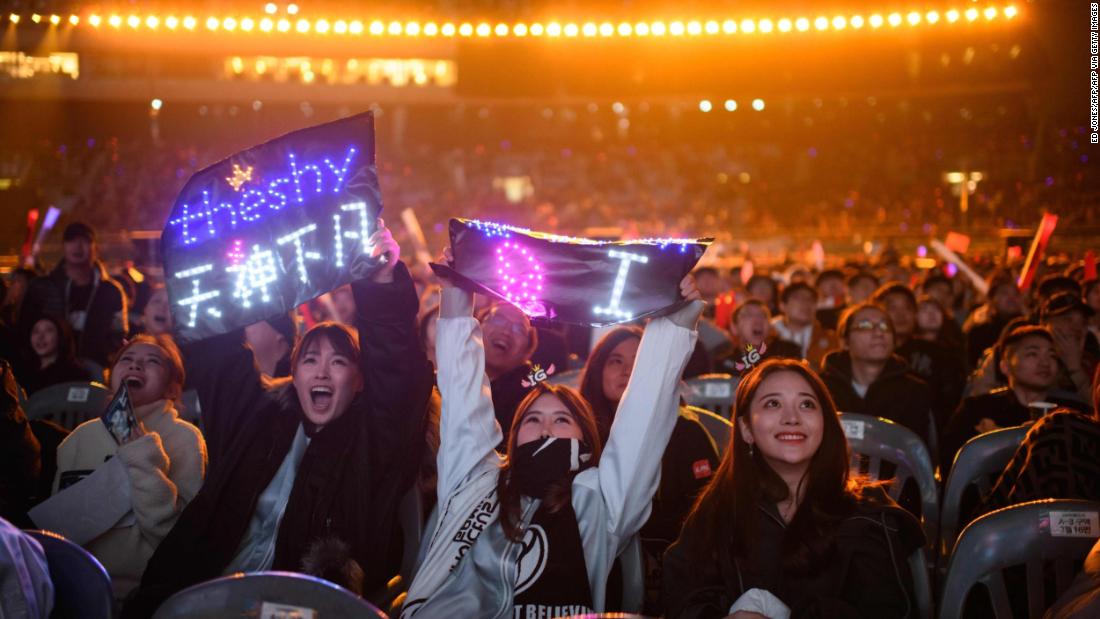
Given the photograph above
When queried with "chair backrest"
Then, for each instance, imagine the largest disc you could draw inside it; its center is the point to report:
(98, 372)
(881, 440)
(82, 588)
(1058, 531)
(719, 428)
(714, 392)
(922, 583)
(68, 404)
(980, 458)
(569, 378)
(266, 595)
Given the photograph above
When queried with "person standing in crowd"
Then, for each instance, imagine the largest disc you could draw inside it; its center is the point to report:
(162, 462)
(782, 530)
(689, 459)
(940, 287)
(536, 533)
(833, 297)
(1067, 317)
(321, 458)
(798, 324)
(868, 378)
(861, 285)
(751, 326)
(80, 291)
(764, 288)
(271, 342)
(941, 368)
(53, 358)
(156, 316)
(510, 342)
(343, 304)
(983, 328)
(1028, 360)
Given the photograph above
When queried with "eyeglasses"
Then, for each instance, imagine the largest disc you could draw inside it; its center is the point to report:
(500, 322)
(868, 325)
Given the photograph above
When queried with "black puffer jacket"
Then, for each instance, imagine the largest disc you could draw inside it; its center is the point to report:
(897, 395)
(106, 322)
(866, 576)
(351, 478)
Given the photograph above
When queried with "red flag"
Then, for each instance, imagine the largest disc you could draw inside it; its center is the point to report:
(1038, 246)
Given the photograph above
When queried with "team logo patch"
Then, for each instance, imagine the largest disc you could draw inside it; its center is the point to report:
(701, 468)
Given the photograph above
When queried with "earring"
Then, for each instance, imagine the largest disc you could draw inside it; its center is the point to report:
(751, 452)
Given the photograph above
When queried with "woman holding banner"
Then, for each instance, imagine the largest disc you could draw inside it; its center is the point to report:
(535, 534)
(318, 460)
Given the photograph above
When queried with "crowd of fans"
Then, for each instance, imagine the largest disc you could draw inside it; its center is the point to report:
(311, 428)
(805, 176)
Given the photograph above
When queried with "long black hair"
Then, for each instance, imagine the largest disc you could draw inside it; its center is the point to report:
(724, 514)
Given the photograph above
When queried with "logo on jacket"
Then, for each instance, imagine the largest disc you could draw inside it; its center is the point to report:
(533, 555)
(701, 469)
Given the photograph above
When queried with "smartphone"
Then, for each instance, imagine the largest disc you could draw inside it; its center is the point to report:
(119, 416)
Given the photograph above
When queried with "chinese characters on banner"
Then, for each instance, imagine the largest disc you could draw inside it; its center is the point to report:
(270, 227)
(571, 280)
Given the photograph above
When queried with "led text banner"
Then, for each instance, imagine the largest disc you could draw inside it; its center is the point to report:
(271, 227)
(571, 280)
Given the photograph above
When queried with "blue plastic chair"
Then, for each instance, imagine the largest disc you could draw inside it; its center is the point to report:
(980, 458)
(1030, 534)
(251, 595)
(881, 440)
(68, 404)
(713, 392)
(82, 588)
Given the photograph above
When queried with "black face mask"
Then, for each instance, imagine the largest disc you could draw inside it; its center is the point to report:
(538, 464)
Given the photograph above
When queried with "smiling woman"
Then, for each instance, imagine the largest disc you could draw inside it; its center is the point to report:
(781, 515)
(161, 464)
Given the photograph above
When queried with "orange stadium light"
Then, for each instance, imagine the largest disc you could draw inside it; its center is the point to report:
(586, 29)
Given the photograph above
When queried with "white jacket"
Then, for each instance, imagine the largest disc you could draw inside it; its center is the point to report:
(165, 468)
(468, 567)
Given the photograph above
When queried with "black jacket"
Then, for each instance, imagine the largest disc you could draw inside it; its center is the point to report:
(351, 478)
(897, 395)
(866, 576)
(20, 453)
(508, 391)
(943, 369)
(999, 406)
(106, 321)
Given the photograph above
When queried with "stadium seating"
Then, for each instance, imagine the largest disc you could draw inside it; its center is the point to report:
(68, 404)
(82, 588)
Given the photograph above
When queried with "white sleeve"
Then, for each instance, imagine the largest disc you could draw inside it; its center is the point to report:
(468, 428)
(761, 602)
(630, 466)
